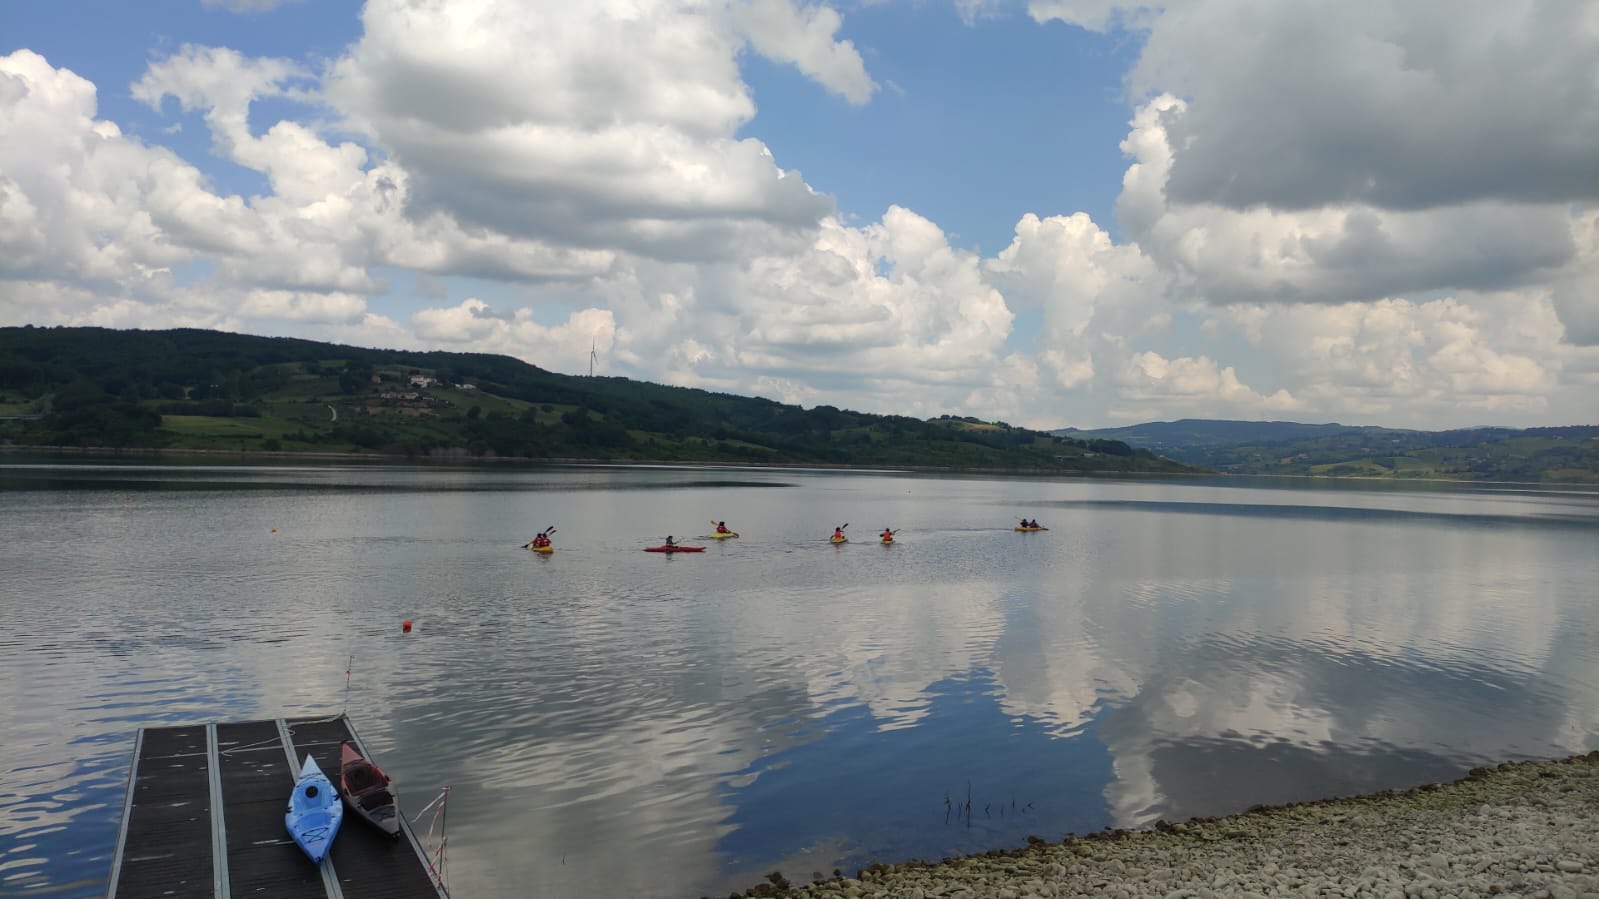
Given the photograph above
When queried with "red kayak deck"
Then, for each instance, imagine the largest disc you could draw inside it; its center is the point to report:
(674, 549)
(368, 791)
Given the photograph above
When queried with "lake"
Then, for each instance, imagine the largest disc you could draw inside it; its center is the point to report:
(616, 722)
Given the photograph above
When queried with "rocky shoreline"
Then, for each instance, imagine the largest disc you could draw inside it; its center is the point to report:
(1520, 829)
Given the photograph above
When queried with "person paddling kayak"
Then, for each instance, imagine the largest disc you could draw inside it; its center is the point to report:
(721, 528)
(838, 535)
(670, 541)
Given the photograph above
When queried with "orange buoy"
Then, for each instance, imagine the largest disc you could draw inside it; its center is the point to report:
(406, 625)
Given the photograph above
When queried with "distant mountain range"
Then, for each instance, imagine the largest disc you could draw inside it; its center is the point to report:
(208, 390)
(1557, 454)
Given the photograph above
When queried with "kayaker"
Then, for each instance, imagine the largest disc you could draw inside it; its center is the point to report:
(541, 540)
(721, 528)
(838, 533)
(887, 534)
(670, 541)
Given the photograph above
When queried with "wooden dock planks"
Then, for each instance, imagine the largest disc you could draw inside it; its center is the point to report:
(362, 852)
(166, 833)
(256, 780)
(175, 843)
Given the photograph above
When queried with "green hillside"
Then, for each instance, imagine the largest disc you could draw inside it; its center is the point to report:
(191, 389)
(1555, 455)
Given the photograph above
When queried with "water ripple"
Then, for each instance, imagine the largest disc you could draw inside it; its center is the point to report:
(778, 702)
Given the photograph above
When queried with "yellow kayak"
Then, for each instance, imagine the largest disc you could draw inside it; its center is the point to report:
(838, 540)
(542, 549)
(1020, 528)
(724, 536)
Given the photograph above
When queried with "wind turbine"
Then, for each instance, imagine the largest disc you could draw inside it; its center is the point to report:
(593, 354)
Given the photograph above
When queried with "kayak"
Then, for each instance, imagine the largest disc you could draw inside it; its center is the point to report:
(542, 549)
(887, 541)
(674, 549)
(314, 811)
(723, 536)
(1020, 528)
(368, 791)
(838, 540)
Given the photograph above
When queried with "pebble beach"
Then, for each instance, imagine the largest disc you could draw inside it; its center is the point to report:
(1519, 829)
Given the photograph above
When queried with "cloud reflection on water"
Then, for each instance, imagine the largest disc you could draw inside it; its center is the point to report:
(675, 726)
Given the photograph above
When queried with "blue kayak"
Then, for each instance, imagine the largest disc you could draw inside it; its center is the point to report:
(314, 811)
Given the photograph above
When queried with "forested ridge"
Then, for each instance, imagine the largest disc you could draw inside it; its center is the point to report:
(1568, 454)
(196, 389)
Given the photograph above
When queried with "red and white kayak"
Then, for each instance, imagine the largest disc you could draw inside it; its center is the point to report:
(368, 791)
(674, 549)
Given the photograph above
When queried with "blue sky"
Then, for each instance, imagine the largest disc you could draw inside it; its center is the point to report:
(966, 99)
(1052, 212)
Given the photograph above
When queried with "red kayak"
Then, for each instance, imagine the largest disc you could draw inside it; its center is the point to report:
(674, 549)
(368, 791)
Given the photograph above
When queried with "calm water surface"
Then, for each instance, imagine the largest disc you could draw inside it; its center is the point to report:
(611, 721)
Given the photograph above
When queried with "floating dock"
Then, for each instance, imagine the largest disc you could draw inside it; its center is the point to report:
(204, 818)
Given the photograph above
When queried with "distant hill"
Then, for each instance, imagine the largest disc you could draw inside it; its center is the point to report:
(192, 389)
(1191, 433)
(1557, 454)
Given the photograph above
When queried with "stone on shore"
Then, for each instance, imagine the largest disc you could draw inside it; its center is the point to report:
(1520, 829)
